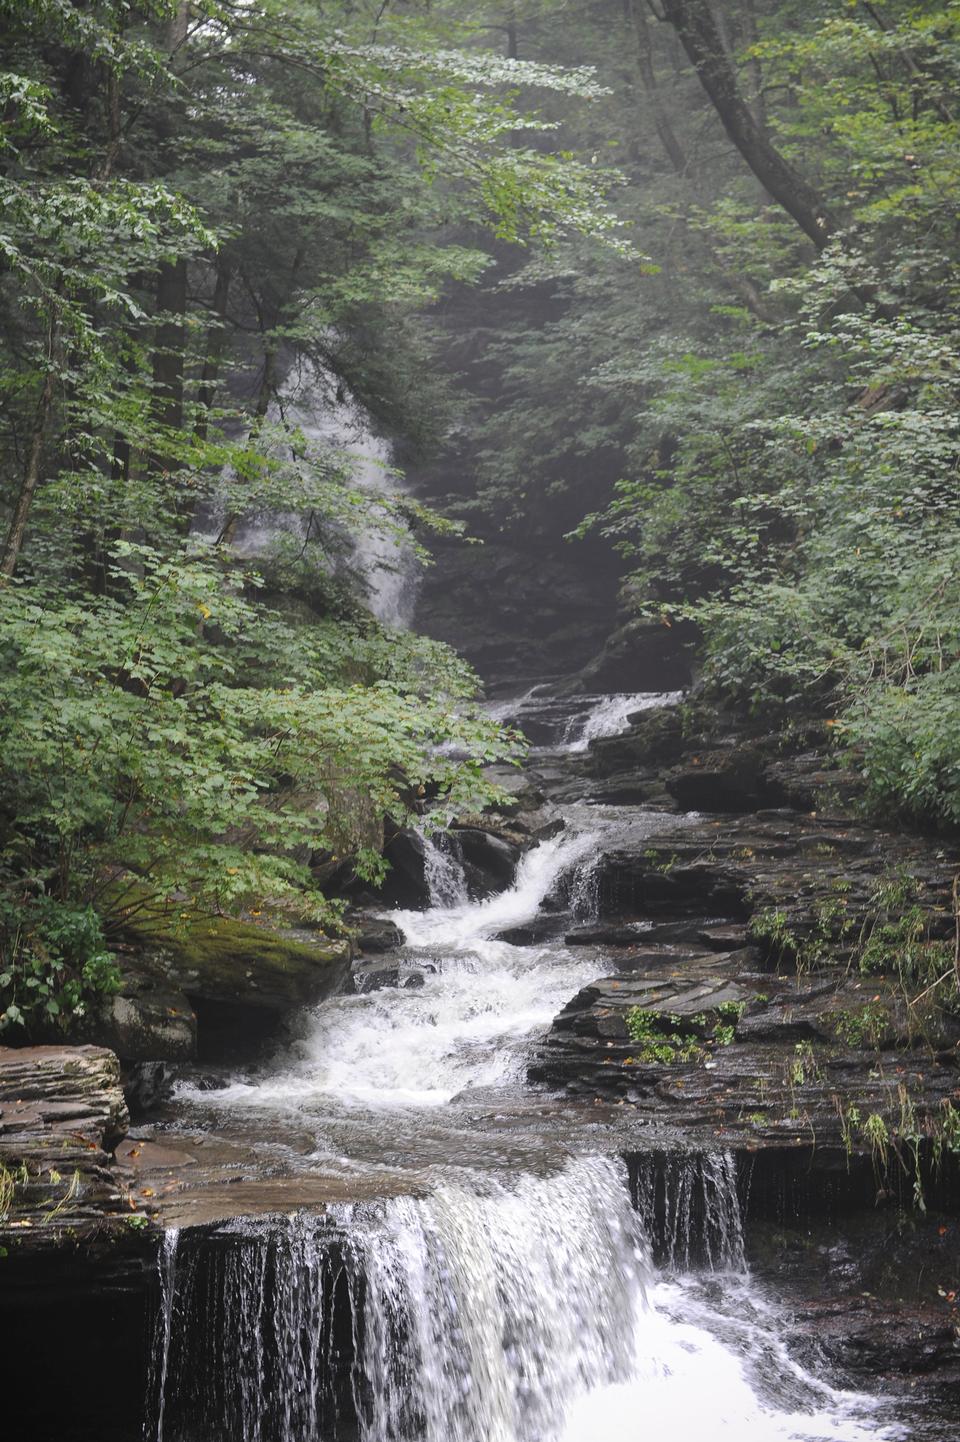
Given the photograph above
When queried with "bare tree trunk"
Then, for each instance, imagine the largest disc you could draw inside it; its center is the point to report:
(170, 341)
(757, 100)
(31, 470)
(696, 26)
(216, 343)
(112, 151)
(665, 131)
(178, 27)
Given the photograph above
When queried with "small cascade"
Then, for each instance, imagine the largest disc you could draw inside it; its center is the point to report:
(609, 715)
(542, 869)
(585, 891)
(499, 1311)
(443, 872)
(376, 548)
(469, 1024)
(568, 724)
(160, 1361)
(689, 1205)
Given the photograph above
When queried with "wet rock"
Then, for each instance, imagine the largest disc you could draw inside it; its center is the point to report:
(492, 858)
(725, 780)
(148, 1020)
(723, 938)
(375, 934)
(759, 1061)
(375, 975)
(654, 736)
(869, 1289)
(607, 935)
(544, 929)
(406, 881)
(216, 988)
(62, 1113)
(640, 656)
(147, 1084)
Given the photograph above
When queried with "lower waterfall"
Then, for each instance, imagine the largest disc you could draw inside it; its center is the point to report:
(524, 1310)
(500, 1272)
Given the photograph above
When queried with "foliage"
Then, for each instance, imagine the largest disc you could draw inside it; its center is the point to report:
(765, 433)
(663, 1039)
(220, 226)
(184, 733)
(53, 961)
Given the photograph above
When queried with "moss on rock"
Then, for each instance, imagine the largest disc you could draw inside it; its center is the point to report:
(219, 959)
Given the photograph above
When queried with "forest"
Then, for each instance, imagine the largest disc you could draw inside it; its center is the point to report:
(480, 714)
(735, 235)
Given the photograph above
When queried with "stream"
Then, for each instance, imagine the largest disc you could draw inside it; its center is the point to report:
(482, 1267)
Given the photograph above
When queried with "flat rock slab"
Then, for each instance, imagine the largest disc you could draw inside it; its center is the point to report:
(769, 1061)
(62, 1114)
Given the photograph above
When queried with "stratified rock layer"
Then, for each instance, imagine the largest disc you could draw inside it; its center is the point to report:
(62, 1114)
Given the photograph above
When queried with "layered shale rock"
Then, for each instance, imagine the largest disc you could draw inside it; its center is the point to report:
(62, 1114)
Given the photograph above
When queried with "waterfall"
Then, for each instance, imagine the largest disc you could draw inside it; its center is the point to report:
(498, 1289)
(378, 550)
(443, 872)
(609, 715)
(690, 1209)
(160, 1359)
(499, 1311)
(467, 1027)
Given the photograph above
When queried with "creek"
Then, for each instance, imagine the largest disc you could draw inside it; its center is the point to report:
(483, 1266)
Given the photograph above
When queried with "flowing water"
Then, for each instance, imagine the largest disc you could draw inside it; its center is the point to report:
(569, 724)
(505, 1279)
(375, 547)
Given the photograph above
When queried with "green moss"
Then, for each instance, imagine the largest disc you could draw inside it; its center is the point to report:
(865, 1027)
(221, 958)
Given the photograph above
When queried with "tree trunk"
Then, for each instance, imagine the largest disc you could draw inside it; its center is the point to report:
(696, 26)
(178, 27)
(757, 99)
(216, 343)
(31, 470)
(648, 79)
(268, 389)
(169, 344)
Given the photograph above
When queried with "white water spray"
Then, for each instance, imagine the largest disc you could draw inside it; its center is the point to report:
(466, 1027)
(503, 1312)
(610, 716)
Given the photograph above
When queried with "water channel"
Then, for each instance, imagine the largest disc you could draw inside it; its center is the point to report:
(483, 1268)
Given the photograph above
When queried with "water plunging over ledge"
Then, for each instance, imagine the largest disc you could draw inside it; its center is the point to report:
(496, 1275)
(523, 1311)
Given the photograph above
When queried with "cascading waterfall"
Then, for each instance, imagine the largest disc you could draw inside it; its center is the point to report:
(467, 1027)
(689, 1208)
(381, 555)
(610, 715)
(556, 724)
(443, 873)
(160, 1359)
(523, 1311)
(499, 1290)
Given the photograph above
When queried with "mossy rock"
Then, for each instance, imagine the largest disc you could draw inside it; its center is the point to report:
(222, 960)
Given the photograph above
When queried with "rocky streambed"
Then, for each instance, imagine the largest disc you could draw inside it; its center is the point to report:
(681, 949)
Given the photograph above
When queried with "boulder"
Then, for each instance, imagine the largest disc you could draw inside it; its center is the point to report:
(216, 987)
(654, 737)
(640, 656)
(492, 859)
(731, 779)
(376, 934)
